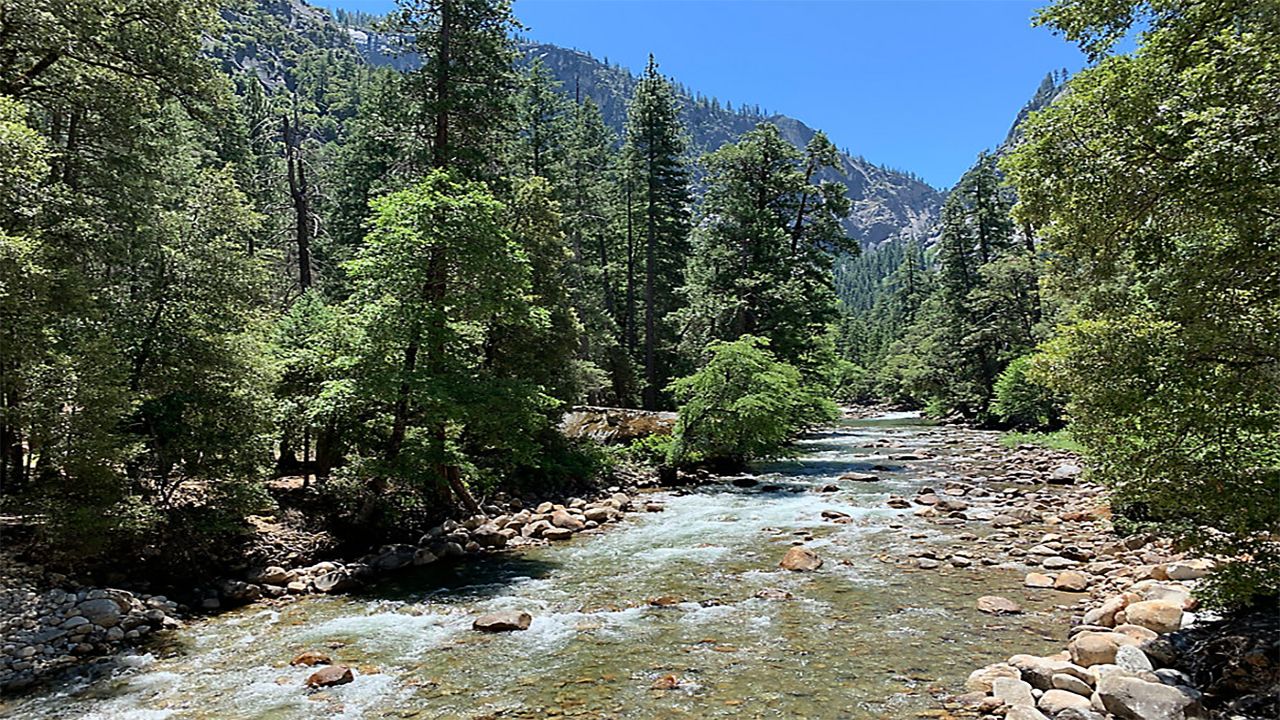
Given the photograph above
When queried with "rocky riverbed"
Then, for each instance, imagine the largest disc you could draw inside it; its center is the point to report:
(868, 578)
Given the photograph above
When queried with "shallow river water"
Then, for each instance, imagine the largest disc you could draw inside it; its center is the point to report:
(862, 637)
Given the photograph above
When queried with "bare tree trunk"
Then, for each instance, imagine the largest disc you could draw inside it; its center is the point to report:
(300, 193)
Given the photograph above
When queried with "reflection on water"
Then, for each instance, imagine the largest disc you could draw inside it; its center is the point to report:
(861, 638)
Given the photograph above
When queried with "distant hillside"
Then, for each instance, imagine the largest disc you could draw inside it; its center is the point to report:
(886, 203)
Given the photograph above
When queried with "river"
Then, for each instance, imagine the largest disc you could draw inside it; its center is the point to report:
(863, 637)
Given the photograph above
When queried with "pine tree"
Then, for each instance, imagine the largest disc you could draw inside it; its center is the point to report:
(658, 195)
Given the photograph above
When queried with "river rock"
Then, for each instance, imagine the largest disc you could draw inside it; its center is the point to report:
(557, 533)
(1071, 581)
(1039, 671)
(1162, 616)
(598, 514)
(1078, 714)
(859, 477)
(1057, 563)
(311, 658)
(1013, 692)
(103, 612)
(800, 559)
(1130, 698)
(1038, 580)
(1071, 683)
(1096, 648)
(1065, 474)
(981, 680)
(330, 676)
(1055, 701)
(1024, 712)
(996, 605)
(1105, 615)
(562, 519)
(1131, 658)
(1188, 570)
(489, 535)
(335, 581)
(503, 621)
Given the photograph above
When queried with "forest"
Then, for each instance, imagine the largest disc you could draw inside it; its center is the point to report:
(394, 281)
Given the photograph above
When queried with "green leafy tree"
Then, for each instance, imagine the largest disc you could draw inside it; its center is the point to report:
(437, 270)
(743, 404)
(1153, 184)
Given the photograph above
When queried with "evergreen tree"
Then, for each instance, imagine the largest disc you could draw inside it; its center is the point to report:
(658, 197)
(761, 261)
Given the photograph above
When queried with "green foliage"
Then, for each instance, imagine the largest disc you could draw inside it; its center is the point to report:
(1153, 183)
(742, 405)
(1056, 440)
(1022, 402)
(761, 263)
(657, 204)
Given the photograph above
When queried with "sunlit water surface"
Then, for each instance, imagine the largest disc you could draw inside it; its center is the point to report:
(862, 638)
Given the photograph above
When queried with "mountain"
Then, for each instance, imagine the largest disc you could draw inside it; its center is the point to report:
(273, 38)
(886, 203)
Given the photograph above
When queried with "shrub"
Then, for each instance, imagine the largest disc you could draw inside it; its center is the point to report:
(1022, 402)
(743, 405)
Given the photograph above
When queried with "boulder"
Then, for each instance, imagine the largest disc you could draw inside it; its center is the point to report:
(1039, 671)
(489, 535)
(1071, 581)
(1096, 648)
(981, 680)
(1055, 701)
(1162, 616)
(1188, 569)
(1024, 712)
(1071, 683)
(1038, 580)
(1133, 659)
(274, 575)
(330, 676)
(996, 605)
(562, 519)
(1078, 714)
(598, 514)
(503, 621)
(1130, 698)
(557, 533)
(103, 612)
(1105, 615)
(335, 581)
(800, 559)
(1013, 692)
(614, 426)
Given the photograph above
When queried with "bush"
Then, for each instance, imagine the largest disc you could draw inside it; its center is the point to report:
(1022, 402)
(743, 405)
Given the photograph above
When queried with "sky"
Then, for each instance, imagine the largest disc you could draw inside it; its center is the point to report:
(917, 85)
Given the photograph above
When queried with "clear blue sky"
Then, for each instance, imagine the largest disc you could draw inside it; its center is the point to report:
(918, 85)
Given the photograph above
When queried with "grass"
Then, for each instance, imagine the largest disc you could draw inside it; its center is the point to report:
(1056, 440)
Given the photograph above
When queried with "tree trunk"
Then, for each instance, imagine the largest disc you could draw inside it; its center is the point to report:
(650, 295)
(300, 193)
